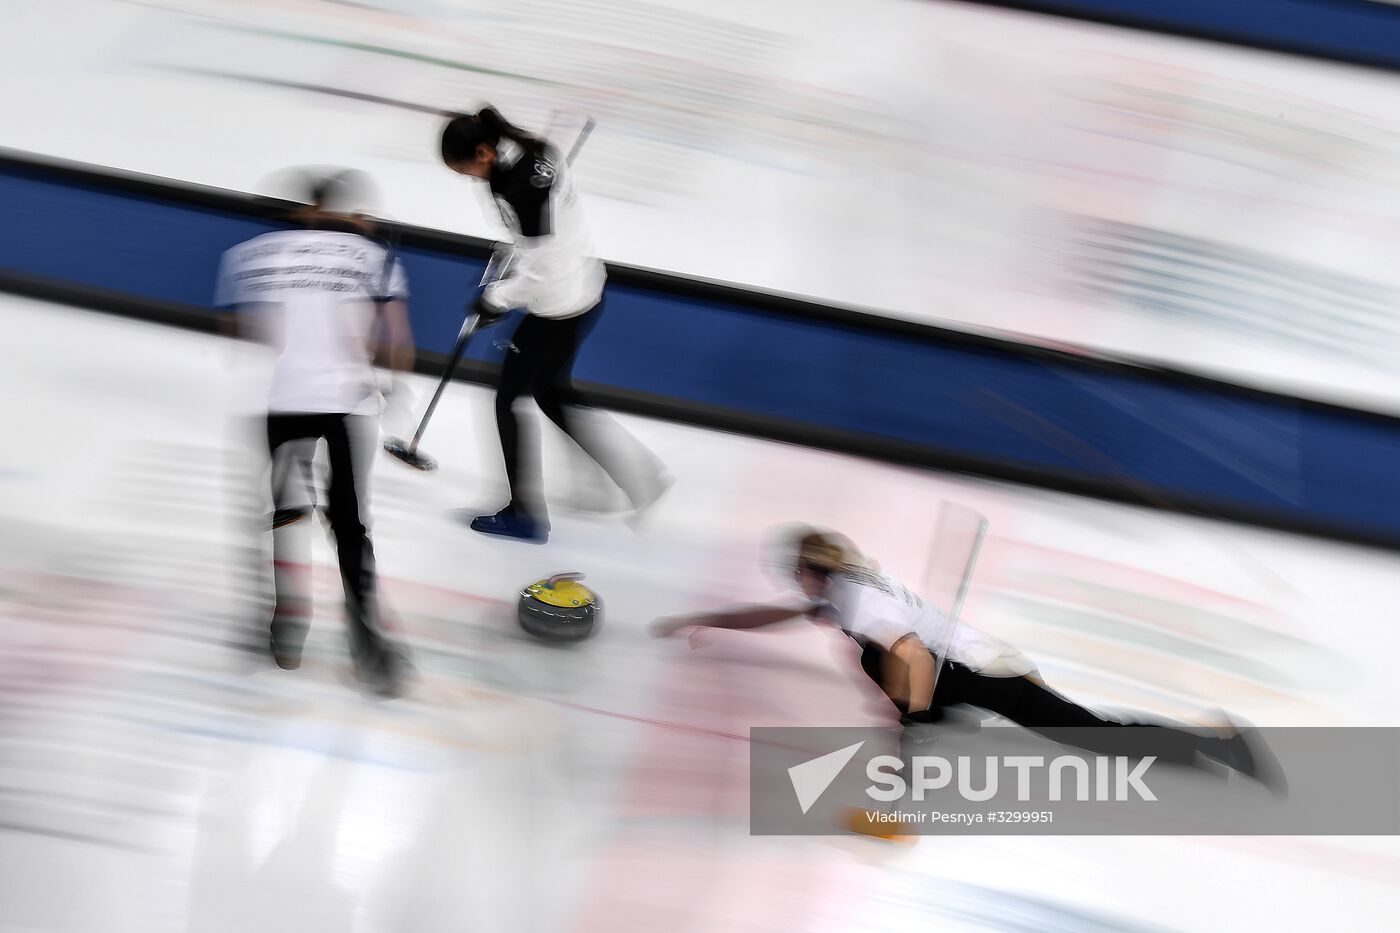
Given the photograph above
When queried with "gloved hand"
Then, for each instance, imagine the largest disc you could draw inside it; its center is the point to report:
(921, 717)
(501, 266)
(487, 313)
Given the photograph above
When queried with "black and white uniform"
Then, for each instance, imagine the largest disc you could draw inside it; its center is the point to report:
(975, 669)
(878, 611)
(555, 277)
(554, 273)
(311, 295)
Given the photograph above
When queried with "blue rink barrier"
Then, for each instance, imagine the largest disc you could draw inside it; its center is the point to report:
(777, 367)
(1362, 32)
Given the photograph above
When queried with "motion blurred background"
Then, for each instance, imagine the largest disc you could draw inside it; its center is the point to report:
(1129, 292)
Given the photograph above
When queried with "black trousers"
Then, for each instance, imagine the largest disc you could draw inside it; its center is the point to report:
(1036, 707)
(542, 365)
(349, 469)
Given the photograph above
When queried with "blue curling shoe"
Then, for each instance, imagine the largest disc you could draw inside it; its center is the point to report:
(512, 523)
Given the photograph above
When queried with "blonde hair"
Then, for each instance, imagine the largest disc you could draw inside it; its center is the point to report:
(828, 550)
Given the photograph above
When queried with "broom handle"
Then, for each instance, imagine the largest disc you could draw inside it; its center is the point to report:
(468, 328)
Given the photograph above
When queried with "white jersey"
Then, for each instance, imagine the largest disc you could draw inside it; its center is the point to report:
(314, 292)
(874, 608)
(553, 272)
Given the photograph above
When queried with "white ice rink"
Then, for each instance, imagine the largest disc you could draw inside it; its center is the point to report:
(152, 778)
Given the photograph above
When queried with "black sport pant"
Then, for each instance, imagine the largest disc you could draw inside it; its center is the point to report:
(542, 365)
(1036, 707)
(349, 467)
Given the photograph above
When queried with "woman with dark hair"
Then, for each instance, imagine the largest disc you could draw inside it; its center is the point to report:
(553, 274)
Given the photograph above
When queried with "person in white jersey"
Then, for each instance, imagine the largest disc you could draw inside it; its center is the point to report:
(325, 296)
(554, 276)
(925, 662)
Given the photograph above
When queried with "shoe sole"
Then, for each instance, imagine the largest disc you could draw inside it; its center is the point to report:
(531, 539)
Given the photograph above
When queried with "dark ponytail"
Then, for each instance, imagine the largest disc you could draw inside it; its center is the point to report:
(465, 132)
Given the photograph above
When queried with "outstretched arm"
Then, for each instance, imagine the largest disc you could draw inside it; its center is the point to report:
(755, 616)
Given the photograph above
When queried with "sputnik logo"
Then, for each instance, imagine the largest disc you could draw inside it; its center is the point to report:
(811, 778)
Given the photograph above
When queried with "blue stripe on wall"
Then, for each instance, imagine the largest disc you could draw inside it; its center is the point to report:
(1167, 442)
(1347, 30)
